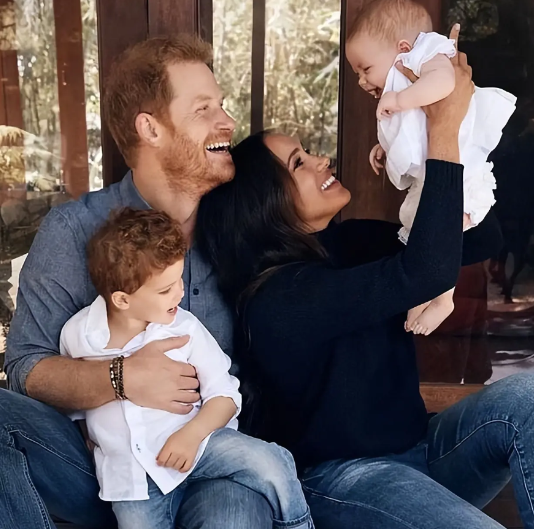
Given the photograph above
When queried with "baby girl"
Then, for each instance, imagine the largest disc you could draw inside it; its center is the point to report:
(384, 33)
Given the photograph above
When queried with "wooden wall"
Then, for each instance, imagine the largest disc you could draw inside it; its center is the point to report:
(71, 96)
(373, 197)
(122, 23)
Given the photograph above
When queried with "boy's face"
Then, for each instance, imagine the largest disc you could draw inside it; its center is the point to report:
(371, 58)
(157, 300)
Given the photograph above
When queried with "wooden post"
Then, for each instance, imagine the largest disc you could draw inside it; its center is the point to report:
(165, 18)
(71, 96)
(373, 197)
(10, 100)
(257, 88)
(205, 20)
(13, 177)
(121, 23)
(125, 22)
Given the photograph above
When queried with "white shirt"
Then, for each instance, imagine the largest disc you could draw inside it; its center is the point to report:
(129, 437)
(404, 136)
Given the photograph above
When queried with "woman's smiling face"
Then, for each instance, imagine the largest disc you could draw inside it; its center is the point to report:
(318, 196)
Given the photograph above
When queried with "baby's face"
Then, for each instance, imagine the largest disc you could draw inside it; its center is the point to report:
(371, 58)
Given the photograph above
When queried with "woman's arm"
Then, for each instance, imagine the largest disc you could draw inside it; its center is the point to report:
(364, 240)
(300, 298)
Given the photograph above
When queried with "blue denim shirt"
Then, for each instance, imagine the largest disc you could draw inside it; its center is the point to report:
(54, 283)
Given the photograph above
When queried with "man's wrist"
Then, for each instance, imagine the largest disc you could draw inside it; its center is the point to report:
(116, 375)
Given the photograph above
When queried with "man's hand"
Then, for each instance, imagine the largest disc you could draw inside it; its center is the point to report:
(375, 158)
(388, 105)
(153, 380)
(180, 450)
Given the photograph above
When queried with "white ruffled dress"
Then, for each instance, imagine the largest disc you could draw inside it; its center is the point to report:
(403, 136)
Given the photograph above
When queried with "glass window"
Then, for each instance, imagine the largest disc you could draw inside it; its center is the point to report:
(301, 67)
(49, 123)
(302, 71)
(491, 332)
(232, 33)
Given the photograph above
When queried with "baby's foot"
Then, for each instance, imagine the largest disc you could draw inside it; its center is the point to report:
(433, 316)
(413, 314)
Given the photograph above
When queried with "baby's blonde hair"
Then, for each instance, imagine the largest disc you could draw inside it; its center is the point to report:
(391, 19)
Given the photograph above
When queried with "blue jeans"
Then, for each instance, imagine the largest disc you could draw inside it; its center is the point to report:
(263, 467)
(470, 452)
(46, 469)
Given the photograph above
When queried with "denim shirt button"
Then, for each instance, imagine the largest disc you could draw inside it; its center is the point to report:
(196, 291)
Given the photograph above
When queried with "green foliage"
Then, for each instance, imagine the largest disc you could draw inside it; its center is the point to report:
(36, 49)
(301, 75)
(301, 67)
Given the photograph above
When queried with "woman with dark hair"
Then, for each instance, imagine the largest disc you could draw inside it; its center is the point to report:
(321, 310)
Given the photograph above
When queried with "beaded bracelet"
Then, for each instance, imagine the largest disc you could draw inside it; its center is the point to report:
(116, 374)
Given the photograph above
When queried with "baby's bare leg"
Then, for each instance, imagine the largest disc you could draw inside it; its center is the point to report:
(413, 314)
(467, 221)
(434, 314)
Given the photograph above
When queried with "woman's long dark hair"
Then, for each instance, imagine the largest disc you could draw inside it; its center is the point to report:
(247, 229)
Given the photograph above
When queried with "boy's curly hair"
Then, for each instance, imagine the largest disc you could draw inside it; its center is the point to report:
(130, 247)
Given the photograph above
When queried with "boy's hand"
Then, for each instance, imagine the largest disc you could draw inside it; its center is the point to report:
(91, 445)
(387, 105)
(375, 158)
(180, 450)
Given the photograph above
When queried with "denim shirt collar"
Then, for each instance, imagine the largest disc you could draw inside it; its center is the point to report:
(130, 194)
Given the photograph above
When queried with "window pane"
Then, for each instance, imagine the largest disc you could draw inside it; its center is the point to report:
(302, 70)
(232, 31)
(491, 332)
(49, 122)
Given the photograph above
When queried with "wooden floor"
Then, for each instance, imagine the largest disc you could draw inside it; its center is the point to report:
(504, 509)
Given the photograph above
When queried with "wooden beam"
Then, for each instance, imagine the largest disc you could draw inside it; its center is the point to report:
(165, 18)
(11, 103)
(205, 20)
(10, 99)
(194, 17)
(439, 397)
(373, 197)
(11, 89)
(434, 7)
(341, 96)
(258, 66)
(71, 96)
(3, 107)
(121, 23)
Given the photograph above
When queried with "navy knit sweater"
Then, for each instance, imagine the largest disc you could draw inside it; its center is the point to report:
(338, 371)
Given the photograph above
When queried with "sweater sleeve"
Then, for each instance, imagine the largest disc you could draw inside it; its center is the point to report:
(360, 241)
(363, 241)
(298, 299)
